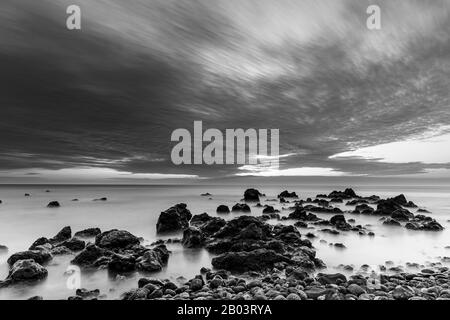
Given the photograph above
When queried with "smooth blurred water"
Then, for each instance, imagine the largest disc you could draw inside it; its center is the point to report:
(136, 209)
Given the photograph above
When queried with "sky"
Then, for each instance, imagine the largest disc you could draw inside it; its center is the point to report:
(99, 104)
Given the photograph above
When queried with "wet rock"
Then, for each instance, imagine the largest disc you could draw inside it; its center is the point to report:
(3, 249)
(287, 194)
(256, 260)
(336, 278)
(348, 193)
(73, 244)
(39, 242)
(207, 224)
(26, 271)
(87, 294)
(61, 250)
(252, 195)
(63, 235)
(402, 215)
(122, 263)
(53, 204)
(88, 233)
(154, 259)
(101, 199)
(391, 222)
(192, 238)
(241, 207)
(91, 257)
(355, 289)
(268, 209)
(174, 219)
(116, 239)
(39, 256)
(403, 293)
(223, 209)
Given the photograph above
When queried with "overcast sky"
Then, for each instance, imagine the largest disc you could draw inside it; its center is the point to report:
(102, 102)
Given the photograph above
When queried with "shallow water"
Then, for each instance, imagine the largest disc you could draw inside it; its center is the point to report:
(136, 209)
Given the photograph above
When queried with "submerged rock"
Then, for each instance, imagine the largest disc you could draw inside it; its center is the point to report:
(223, 209)
(252, 195)
(90, 257)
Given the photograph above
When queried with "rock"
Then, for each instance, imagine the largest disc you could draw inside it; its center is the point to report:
(216, 282)
(287, 194)
(402, 293)
(336, 278)
(39, 256)
(355, 289)
(154, 259)
(268, 209)
(53, 204)
(196, 284)
(315, 292)
(73, 244)
(252, 195)
(402, 215)
(101, 199)
(207, 194)
(87, 294)
(192, 238)
(63, 235)
(347, 194)
(255, 260)
(122, 263)
(26, 270)
(391, 222)
(3, 249)
(61, 250)
(174, 219)
(340, 245)
(293, 296)
(36, 298)
(88, 233)
(89, 257)
(116, 239)
(241, 207)
(223, 209)
(39, 242)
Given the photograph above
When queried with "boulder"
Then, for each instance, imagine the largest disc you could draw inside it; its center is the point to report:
(26, 270)
(241, 207)
(391, 222)
(252, 195)
(39, 256)
(89, 257)
(122, 263)
(192, 238)
(39, 242)
(287, 194)
(175, 218)
(402, 215)
(153, 260)
(63, 235)
(88, 233)
(116, 239)
(256, 260)
(223, 209)
(73, 244)
(53, 204)
(3, 249)
(335, 278)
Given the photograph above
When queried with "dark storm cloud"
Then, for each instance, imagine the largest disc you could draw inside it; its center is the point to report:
(110, 95)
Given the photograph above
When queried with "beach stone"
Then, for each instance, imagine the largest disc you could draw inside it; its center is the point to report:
(60, 250)
(403, 292)
(174, 219)
(259, 259)
(196, 284)
(26, 270)
(315, 292)
(335, 278)
(88, 233)
(116, 239)
(39, 256)
(287, 194)
(122, 263)
(293, 296)
(355, 289)
(154, 259)
(391, 222)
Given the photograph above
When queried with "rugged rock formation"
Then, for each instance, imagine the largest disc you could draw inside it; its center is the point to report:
(175, 218)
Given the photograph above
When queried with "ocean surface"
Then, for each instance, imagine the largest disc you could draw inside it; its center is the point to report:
(136, 209)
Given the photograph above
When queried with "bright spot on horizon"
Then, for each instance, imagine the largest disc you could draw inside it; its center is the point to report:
(291, 172)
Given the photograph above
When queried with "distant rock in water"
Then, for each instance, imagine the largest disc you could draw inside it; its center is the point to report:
(223, 209)
(252, 195)
(347, 194)
(391, 222)
(241, 207)
(39, 256)
(101, 199)
(1, 202)
(53, 204)
(175, 218)
(287, 194)
(3, 249)
(26, 194)
(88, 233)
(206, 194)
(75, 199)
(47, 190)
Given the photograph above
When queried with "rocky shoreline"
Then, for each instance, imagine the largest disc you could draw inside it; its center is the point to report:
(253, 259)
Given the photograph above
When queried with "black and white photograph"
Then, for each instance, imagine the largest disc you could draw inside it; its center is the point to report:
(243, 151)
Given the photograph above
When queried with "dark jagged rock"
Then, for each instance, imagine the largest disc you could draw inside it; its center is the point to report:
(223, 209)
(287, 194)
(347, 194)
(269, 209)
(85, 294)
(116, 239)
(356, 202)
(340, 223)
(241, 207)
(63, 235)
(73, 244)
(363, 209)
(53, 204)
(27, 270)
(175, 218)
(256, 260)
(336, 200)
(39, 242)
(335, 278)
(192, 238)
(387, 207)
(122, 263)
(39, 256)
(101, 199)
(91, 257)
(154, 259)
(60, 250)
(88, 233)
(207, 224)
(207, 194)
(402, 215)
(300, 214)
(236, 226)
(252, 195)
(322, 209)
